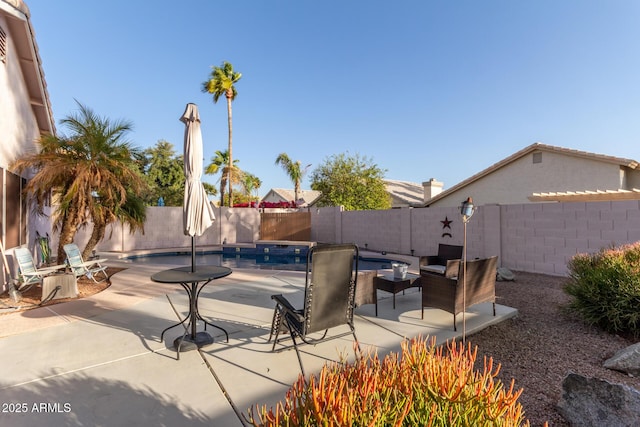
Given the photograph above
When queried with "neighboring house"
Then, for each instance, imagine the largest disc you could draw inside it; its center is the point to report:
(402, 193)
(280, 195)
(542, 172)
(405, 194)
(25, 113)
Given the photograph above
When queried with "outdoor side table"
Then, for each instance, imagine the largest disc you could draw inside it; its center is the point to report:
(66, 284)
(388, 283)
(193, 282)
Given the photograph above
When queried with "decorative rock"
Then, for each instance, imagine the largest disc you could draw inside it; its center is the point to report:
(595, 402)
(626, 360)
(504, 274)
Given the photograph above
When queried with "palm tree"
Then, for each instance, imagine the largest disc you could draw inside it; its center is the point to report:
(295, 171)
(132, 212)
(220, 163)
(250, 182)
(87, 174)
(221, 82)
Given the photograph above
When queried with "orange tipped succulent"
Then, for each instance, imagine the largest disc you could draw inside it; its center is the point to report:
(423, 385)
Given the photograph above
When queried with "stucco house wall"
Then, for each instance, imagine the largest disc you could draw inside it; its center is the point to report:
(541, 169)
(24, 114)
(273, 197)
(306, 198)
(18, 125)
(518, 180)
(25, 110)
(631, 179)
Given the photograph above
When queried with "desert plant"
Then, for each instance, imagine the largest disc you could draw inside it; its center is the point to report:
(424, 385)
(605, 287)
(87, 175)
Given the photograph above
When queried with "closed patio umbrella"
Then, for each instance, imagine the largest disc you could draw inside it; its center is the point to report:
(197, 211)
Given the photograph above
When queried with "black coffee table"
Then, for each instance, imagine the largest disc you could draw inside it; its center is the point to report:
(193, 282)
(388, 283)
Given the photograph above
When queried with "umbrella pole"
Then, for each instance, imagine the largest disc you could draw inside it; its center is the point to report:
(193, 254)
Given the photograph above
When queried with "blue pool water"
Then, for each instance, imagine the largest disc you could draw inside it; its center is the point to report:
(292, 259)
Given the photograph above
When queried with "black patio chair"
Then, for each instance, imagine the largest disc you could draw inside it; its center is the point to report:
(330, 283)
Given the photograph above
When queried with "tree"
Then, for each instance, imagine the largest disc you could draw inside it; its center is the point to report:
(294, 170)
(132, 212)
(88, 174)
(350, 181)
(220, 163)
(209, 188)
(164, 172)
(221, 82)
(250, 182)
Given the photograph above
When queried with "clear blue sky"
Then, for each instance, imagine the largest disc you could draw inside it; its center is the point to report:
(425, 89)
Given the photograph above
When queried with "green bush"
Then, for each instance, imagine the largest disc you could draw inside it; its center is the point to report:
(424, 385)
(605, 287)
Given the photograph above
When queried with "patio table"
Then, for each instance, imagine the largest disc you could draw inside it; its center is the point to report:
(389, 283)
(193, 282)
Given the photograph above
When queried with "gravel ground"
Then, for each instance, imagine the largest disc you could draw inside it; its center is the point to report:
(542, 345)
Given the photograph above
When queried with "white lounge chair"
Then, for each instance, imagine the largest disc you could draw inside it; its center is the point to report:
(79, 267)
(29, 275)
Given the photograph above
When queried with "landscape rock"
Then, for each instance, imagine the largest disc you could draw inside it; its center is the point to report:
(626, 360)
(595, 402)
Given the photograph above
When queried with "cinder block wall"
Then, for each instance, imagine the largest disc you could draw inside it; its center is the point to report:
(543, 237)
(325, 224)
(527, 237)
(164, 229)
(539, 237)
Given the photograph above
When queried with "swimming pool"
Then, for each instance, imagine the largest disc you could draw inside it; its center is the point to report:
(290, 262)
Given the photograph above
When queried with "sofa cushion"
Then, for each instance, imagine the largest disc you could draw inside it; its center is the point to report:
(434, 268)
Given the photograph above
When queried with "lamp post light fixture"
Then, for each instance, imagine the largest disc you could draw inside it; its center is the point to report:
(467, 209)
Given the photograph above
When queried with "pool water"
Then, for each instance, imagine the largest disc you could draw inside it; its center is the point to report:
(290, 262)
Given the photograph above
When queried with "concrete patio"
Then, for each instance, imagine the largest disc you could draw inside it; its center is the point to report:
(99, 361)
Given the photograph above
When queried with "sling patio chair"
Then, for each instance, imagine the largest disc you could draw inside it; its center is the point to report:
(330, 283)
(79, 267)
(28, 274)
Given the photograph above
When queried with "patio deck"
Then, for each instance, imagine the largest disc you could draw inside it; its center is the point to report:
(98, 361)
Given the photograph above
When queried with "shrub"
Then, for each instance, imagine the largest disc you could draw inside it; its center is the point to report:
(605, 287)
(425, 385)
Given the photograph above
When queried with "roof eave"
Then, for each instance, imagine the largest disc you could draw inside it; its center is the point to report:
(586, 196)
(538, 146)
(18, 20)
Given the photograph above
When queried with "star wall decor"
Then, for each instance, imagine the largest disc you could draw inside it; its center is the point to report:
(446, 224)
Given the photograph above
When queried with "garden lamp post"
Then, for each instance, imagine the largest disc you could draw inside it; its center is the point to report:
(467, 210)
